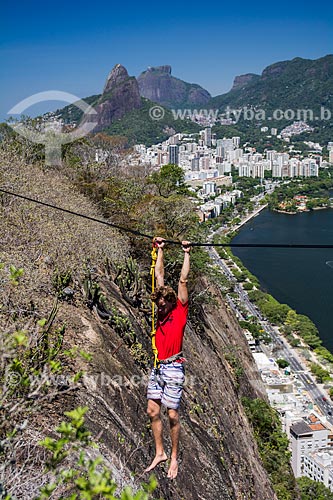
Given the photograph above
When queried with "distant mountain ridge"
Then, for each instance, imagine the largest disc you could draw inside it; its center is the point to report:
(120, 110)
(299, 84)
(123, 94)
(296, 84)
(158, 85)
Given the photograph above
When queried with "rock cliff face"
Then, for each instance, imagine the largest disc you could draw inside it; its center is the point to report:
(158, 85)
(218, 456)
(242, 80)
(120, 95)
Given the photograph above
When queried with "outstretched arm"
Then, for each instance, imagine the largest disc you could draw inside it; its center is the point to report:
(182, 285)
(159, 268)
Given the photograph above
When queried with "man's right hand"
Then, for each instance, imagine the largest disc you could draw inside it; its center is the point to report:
(160, 242)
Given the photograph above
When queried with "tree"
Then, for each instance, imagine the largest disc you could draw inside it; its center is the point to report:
(310, 204)
(313, 490)
(304, 327)
(308, 331)
(320, 374)
(248, 286)
(282, 363)
(291, 319)
(169, 180)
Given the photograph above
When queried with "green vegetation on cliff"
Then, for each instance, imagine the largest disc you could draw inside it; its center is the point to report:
(273, 446)
(140, 128)
(72, 113)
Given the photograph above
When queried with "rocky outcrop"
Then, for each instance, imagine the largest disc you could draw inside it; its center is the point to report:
(158, 85)
(275, 70)
(218, 456)
(120, 96)
(243, 80)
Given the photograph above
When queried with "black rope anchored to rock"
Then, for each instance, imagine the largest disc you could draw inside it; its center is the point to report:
(173, 242)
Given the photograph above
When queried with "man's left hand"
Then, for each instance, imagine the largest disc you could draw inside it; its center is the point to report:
(186, 245)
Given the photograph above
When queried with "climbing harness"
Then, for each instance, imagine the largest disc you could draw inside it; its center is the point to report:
(153, 329)
(172, 359)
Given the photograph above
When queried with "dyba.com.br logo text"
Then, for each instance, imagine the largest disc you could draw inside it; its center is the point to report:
(245, 113)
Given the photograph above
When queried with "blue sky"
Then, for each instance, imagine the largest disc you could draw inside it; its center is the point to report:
(71, 47)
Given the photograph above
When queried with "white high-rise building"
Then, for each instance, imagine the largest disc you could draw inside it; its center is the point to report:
(244, 170)
(276, 170)
(209, 187)
(195, 164)
(238, 153)
(174, 139)
(309, 168)
(208, 137)
(228, 144)
(191, 147)
(306, 435)
(205, 163)
(318, 466)
(224, 168)
(173, 151)
(271, 155)
(330, 156)
(236, 141)
(258, 170)
(220, 151)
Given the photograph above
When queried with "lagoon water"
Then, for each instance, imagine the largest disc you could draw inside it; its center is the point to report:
(301, 278)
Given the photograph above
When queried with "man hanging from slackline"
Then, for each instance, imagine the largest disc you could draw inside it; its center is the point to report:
(166, 380)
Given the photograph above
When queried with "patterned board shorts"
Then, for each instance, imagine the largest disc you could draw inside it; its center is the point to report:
(166, 384)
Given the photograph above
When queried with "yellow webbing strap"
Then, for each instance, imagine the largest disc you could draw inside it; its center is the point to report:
(153, 329)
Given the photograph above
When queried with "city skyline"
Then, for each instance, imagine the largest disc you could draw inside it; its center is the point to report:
(72, 48)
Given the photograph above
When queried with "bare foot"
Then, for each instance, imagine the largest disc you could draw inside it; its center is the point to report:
(173, 469)
(157, 460)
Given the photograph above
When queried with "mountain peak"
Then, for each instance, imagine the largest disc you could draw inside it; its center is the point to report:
(117, 75)
(158, 85)
(120, 96)
(166, 69)
(242, 80)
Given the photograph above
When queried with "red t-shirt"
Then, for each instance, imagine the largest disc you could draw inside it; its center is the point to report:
(170, 331)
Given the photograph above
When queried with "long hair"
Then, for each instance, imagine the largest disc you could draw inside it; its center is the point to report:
(166, 292)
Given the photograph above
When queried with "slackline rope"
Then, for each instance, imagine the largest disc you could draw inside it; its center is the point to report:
(173, 242)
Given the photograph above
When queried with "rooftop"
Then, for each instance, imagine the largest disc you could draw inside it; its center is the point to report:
(314, 422)
(317, 427)
(323, 457)
(301, 428)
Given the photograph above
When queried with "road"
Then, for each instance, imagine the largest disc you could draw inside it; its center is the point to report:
(285, 351)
